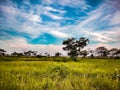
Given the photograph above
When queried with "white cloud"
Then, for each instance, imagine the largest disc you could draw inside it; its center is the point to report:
(115, 18)
(108, 35)
(8, 10)
(108, 46)
(53, 16)
(59, 34)
(12, 11)
(34, 18)
(48, 8)
(69, 3)
(90, 19)
(48, 1)
(31, 24)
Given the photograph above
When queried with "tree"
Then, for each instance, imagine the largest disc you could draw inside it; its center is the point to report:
(16, 54)
(39, 55)
(57, 54)
(26, 53)
(101, 51)
(118, 53)
(74, 46)
(2, 52)
(90, 53)
(47, 54)
(34, 53)
(113, 52)
(30, 53)
(84, 53)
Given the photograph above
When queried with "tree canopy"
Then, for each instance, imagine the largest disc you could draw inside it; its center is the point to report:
(74, 46)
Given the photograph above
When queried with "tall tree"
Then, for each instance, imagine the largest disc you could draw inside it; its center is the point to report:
(74, 46)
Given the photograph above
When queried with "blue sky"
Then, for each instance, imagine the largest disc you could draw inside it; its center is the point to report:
(42, 25)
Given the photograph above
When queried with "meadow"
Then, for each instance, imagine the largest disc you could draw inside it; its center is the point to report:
(59, 73)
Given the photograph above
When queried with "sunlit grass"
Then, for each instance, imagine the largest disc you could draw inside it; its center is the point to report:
(57, 74)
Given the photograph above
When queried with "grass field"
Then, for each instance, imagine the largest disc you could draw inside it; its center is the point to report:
(59, 74)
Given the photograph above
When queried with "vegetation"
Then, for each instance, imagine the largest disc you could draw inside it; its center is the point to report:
(57, 54)
(2, 52)
(74, 46)
(46, 73)
(102, 51)
(99, 70)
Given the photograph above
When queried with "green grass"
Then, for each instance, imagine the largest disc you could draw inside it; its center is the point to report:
(58, 74)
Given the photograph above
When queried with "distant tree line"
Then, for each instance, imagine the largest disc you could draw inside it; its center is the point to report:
(28, 53)
(74, 48)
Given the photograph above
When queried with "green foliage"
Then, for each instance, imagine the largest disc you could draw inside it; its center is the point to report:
(74, 46)
(58, 72)
(48, 74)
(102, 51)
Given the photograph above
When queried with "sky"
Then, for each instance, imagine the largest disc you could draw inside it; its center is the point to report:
(42, 25)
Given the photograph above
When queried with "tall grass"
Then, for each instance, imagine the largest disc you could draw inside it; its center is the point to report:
(57, 74)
